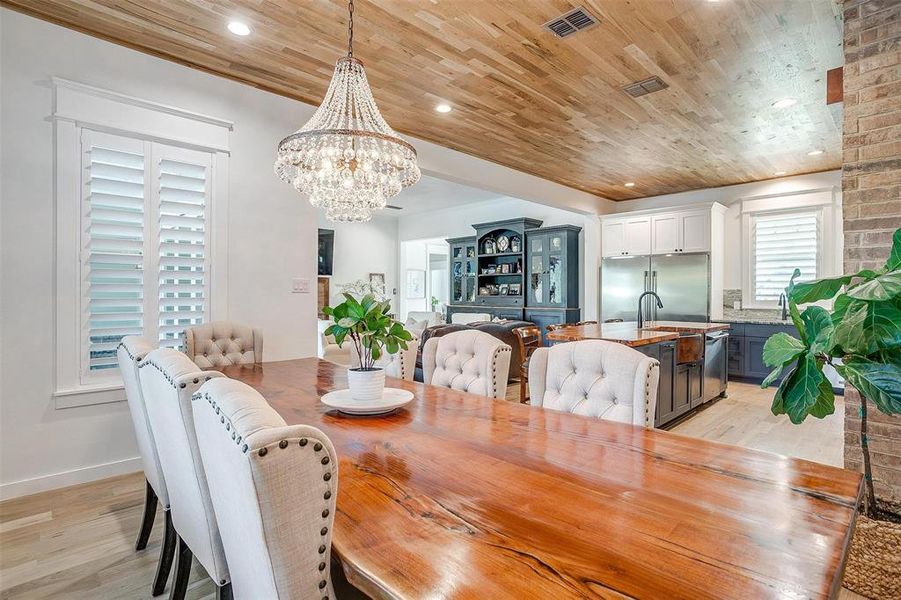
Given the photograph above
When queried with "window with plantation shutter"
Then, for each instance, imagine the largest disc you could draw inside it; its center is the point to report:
(781, 243)
(145, 245)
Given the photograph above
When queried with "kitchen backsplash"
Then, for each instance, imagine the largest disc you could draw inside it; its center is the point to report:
(747, 315)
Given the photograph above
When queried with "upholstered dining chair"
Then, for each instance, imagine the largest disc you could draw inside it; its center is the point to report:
(401, 364)
(595, 378)
(471, 361)
(170, 378)
(529, 339)
(223, 343)
(327, 349)
(273, 487)
(131, 351)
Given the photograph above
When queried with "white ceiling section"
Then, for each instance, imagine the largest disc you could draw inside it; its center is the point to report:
(432, 193)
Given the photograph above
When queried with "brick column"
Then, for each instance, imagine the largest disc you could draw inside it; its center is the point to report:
(871, 184)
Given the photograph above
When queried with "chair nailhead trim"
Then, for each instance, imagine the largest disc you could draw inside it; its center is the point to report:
(323, 531)
(325, 513)
(325, 460)
(322, 584)
(317, 447)
(303, 442)
(322, 566)
(327, 495)
(327, 476)
(283, 444)
(263, 451)
(322, 549)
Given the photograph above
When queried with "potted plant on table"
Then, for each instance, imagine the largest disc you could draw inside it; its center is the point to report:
(373, 332)
(861, 338)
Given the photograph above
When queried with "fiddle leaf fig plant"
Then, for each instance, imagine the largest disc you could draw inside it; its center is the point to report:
(370, 327)
(860, 337)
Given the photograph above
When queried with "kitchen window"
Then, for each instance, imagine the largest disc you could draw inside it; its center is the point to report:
(777, 240)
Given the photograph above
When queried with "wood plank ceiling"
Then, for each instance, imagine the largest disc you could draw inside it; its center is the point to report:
(524, 98)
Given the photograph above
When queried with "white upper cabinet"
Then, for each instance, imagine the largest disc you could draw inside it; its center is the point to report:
(638, 236)
(613, 238)
(695, 232)
(681, 232)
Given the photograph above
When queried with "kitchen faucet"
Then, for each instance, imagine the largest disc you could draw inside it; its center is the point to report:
(640, 298)
(783, 304)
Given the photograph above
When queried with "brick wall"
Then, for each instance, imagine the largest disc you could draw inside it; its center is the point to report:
(871, 183)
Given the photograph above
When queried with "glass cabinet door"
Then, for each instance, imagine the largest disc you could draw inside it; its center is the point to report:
(537, 291)
(556, 270)
(457, 281)
(471, 284)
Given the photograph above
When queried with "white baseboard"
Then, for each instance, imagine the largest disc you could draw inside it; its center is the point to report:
(25, 487)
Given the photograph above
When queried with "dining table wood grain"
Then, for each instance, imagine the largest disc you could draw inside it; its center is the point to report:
(460, 496)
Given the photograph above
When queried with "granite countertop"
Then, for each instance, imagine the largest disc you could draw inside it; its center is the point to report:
(629, 334)
(753, 316)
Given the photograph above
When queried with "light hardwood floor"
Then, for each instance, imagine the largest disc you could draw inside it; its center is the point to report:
(79, 542)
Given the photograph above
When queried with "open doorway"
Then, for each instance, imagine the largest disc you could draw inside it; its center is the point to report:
(424, 276)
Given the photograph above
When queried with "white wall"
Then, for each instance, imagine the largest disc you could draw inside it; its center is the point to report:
(273, 239)
(458, 221)
(361, 249)
(730, 196)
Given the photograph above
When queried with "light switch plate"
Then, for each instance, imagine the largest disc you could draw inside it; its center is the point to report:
(300, 285)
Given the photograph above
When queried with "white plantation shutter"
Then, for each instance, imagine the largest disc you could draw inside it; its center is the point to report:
(183, 192)
(113, 252)
(145, 245)
(782, 243)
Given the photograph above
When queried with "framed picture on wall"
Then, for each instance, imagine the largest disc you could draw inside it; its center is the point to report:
(415, 283)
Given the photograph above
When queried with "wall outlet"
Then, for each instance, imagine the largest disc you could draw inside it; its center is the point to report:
(300, 285)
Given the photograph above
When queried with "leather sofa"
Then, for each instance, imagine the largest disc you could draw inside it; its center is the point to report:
(502, 330)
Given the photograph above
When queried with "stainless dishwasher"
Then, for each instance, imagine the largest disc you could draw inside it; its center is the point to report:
(716, 356)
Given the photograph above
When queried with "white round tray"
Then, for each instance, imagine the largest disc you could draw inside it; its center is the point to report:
(391, 400)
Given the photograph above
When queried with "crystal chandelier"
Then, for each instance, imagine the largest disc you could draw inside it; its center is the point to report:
(347, 159)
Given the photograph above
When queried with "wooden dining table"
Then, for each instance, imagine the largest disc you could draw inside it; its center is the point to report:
(461, 496)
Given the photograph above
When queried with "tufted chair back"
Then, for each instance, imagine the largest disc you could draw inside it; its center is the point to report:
(471, 361)
(223, 343)
(131, 351)
(401, 364)
(273, 487)
(595, 378)
(170, 378)
(466, 318)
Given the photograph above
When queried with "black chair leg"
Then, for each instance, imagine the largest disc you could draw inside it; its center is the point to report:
(183, 559)
(167, 553)
(224, 592)
(150, 502)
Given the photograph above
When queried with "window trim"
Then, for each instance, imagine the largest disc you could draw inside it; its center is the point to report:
(76, 107)
(826, 202)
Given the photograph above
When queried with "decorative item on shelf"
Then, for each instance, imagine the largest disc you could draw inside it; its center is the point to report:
(503, 289)
(490, 270)
(860, 339)
(515, 244)
(505, 268)
(483, 290)
(415, 283)
(489, 247)
(519, 266)
(471, 252)
(503, 243)
(515, 289)
(373, 332)
(346, 158)
(492, 289)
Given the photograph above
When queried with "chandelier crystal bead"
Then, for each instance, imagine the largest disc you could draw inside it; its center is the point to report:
(347, 159)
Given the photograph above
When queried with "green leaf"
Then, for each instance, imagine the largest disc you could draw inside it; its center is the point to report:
(883, 287)
(884, 321)
(347, 322)
(894, 259)
(796, 320)
(781, 349)
(818, 326)
(814, 291)
(774, 374)
(778, 407)
(825, 403)
(802, 389)
(851, 334)
(879, 382)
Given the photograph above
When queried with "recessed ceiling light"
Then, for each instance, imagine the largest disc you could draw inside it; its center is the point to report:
(814, 153)
(629, 184)
(239, 28)
(784, 103)
(779, 173)
(443, 108)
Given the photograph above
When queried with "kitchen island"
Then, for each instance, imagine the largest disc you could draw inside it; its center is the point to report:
(692, 356)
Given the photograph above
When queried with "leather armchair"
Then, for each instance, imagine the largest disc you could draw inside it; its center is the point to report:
(273, 488)
(328, 350)
(223, 343)
(471, 361)
(595, 378)
(401, 364)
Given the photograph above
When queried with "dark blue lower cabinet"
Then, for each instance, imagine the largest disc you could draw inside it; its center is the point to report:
(665, 353)
(543, 318)
(746, 342)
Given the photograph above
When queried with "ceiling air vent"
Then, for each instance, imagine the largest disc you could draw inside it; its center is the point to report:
(640, 88)
(573, 21)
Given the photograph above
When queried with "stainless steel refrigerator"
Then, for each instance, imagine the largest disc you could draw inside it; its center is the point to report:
(681, 280)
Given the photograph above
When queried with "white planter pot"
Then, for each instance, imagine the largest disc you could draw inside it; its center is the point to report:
(366, 385)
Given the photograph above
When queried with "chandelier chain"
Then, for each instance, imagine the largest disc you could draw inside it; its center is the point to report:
(350, 28)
